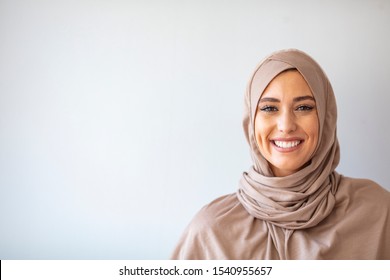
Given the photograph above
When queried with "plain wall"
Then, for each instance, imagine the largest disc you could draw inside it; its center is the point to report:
(119, 119)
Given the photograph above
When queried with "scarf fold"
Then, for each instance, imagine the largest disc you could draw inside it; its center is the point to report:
(305, 198)
(284, 217)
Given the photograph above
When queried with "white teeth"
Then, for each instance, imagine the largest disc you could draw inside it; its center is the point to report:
(287, 144)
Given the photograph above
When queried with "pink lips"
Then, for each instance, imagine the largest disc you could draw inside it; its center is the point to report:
(287, 149)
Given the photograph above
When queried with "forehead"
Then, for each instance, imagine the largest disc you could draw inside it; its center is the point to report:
(287, 84)
(270, 68)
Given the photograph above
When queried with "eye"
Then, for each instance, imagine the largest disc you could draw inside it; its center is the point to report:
(305, 108)
(268, 109)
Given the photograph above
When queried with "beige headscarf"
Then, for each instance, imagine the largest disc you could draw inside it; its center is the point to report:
(305, 198)
(314, 213)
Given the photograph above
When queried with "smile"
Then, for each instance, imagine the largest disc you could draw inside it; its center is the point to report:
(286, 146)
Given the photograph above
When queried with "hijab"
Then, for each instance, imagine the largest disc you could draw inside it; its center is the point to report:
(305, 198)
(314, 213)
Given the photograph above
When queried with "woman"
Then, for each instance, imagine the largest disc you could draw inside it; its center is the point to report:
(292, 204)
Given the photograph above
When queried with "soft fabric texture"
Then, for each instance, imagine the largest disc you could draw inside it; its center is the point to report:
(305, 198)
(314, 213)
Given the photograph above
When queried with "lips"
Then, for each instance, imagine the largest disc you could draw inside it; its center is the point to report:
(287, 145)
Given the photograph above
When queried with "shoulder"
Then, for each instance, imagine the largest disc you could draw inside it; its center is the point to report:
(207, 235)
(366, 188)
(363, 194)
(218, 212)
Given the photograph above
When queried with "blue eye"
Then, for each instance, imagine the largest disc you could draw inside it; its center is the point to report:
(268, 109)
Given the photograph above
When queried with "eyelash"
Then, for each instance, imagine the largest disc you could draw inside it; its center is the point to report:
(306, 107)
(270, 109)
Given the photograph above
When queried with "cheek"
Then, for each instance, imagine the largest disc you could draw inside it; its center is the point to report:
(262, 131)
(312, 130)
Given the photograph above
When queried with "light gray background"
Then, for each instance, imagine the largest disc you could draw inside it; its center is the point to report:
(120, 119)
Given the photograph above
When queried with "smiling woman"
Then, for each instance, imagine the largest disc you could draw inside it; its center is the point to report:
(292, 204)
(286, 123)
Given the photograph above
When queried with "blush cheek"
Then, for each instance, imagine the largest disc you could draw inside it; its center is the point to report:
(263, 130)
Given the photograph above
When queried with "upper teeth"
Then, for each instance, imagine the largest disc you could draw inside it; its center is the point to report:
(287, 144)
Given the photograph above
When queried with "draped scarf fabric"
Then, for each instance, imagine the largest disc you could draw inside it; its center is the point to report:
(314, 213)
(305, 198)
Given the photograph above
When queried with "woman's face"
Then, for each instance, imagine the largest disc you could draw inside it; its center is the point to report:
(286, 123)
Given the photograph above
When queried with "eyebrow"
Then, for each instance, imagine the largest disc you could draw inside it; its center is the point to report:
(296, 99)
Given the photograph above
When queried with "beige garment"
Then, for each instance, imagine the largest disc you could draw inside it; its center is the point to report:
(305, 198)
(357, 228)
(314, 213)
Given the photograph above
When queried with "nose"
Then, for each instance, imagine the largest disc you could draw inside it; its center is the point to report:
(286, 122)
